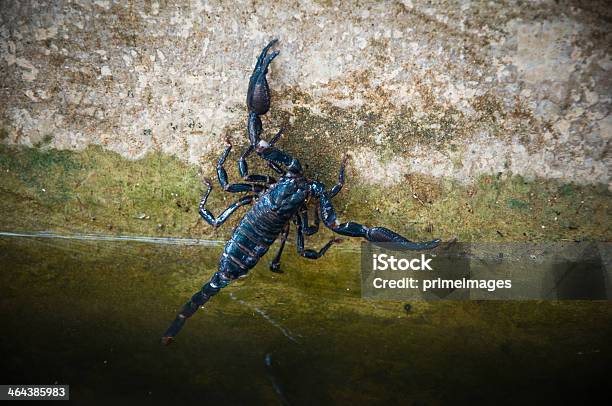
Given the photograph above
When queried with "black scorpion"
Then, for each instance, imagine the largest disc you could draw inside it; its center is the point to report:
(276, 204)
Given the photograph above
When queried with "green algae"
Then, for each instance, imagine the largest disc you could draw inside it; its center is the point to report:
(99, 191)
(517, 204)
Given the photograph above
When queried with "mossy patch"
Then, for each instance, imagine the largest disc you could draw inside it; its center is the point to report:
(517, 204)
(99, 191)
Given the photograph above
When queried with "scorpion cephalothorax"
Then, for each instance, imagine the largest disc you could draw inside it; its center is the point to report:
(276, 205)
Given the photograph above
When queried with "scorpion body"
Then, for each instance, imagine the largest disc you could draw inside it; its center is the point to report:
(262, 224)
(276, 205)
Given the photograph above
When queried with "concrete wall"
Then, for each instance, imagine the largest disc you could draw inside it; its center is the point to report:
(454, 89)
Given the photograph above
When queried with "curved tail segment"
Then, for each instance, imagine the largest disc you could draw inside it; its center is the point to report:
(218, 281)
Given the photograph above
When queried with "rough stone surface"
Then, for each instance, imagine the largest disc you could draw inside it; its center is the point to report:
(443, 88)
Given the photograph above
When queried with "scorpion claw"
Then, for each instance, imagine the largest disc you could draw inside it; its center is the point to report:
(258, 94)
(271, 57)
(264, 51)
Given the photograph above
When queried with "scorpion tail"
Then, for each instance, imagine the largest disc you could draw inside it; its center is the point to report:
(196, 301)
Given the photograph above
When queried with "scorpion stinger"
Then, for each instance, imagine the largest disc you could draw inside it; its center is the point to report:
(275, 205)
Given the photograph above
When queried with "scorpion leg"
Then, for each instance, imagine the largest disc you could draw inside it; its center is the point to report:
(373, 234)
(338, 186)
(243, 166)
(276, 168)
(309, 230)
(277, 136)
(272, 165)
(278, 157)
(233, 187)
(275, 264)
(219, 280)
(210, 218)
(311, 254)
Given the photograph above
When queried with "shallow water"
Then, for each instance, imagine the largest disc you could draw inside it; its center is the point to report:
(90, 314)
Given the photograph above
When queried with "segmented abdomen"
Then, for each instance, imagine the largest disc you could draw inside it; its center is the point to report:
(251, 239)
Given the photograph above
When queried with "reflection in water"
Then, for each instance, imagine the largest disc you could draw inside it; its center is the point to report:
(89, 314)
(266, 317)
(275, 384)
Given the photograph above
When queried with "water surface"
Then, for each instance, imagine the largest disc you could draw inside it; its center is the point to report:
(90, 314)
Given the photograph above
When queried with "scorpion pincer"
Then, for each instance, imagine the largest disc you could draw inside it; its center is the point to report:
(276, 203)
